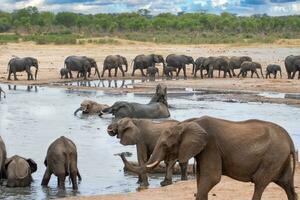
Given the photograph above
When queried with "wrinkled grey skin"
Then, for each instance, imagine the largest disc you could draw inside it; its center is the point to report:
(199, 66)
(64, 73)
(2, 158)
(235, 62)
(273, 69)
(61, 160)
(168, 71)
(152, 71)
(22, 64)
(292, 65)
(91, 107)
(19, 170)
(144, 134)
(2, 91)
(250, 66)
(215, 63)
(81, 64)
(249, 151)
(144, 61)
(114, 62)
(179, 62)
(156, 108)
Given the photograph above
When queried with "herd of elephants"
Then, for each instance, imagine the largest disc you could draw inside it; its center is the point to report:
(250, 151)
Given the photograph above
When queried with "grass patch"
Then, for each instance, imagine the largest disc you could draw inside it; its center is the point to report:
(4, 39)
(52, 39)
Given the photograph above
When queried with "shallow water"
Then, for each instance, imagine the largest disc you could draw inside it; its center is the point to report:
(32, 117)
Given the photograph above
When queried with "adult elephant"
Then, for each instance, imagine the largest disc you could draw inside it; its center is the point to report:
(114, 62)
(22, 64)
(292, 65)
(81, 64)
(61, 160)
(156, 108)
(19, 170)
(144, 134)
(250, 151)
(2, 158)
(235, 62)
(144, 61)
(198, 66)
(180, 62)
(215, 63)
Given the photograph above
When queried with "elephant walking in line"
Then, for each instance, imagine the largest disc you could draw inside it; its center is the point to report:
(156, 108)
(22, 64)
(144, 134)
(61, 160)
(2, 91)
(151, 72)
(198, 66)
(250, 66)
(114, 62)
(64, 73)
(91, 107)
(292, 65)
(215, 63)
(273, 69)
(19, 170)
(235, 62)
(179, 62)
(144, 61)
(250, 151)
(82, 64)
(2, 158)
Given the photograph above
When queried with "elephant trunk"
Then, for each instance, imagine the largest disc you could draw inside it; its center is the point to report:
(261, 72)
(138, 170)
(97, 71)
(76, 111)
(36, 71)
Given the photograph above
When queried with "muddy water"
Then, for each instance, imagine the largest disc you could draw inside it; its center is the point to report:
(32, 117)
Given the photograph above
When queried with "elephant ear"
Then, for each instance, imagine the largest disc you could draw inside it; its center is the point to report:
(193, 140)
(128, 132)
(32, 164)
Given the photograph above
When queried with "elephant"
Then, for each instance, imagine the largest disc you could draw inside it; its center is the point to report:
(198, 66)
(152, 71)
(144, 61)
(91, 107)
(2, 91)
(2, 158)
(292, 65)
(273, 69)
(81, 64)
(250, 66)
(61, 160)
(114, 62)
(156, 108)
(235, 62)
(19, 170)
(168, 71)
(215, 63)
(144, 134)
(249, 151)
(64, 73)
(22, 64)
(179, 62)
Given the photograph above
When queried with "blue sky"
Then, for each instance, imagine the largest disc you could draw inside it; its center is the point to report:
(241, 7)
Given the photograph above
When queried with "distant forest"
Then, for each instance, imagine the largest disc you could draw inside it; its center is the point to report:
(183, 28)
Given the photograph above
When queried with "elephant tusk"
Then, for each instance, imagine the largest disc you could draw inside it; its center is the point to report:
(76, 111)
(110, 130)
(152, 165)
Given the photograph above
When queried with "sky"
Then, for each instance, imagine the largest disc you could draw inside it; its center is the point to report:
(240, 7)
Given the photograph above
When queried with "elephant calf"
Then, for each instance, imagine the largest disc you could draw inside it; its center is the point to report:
(64, 73)
(152, 71)
(19, 170)
(273, 69)
(61, 160)
(91, 107)
(168, 71)
(250, 66)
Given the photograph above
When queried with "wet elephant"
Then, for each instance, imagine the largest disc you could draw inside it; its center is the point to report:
(22, 64)
(292, 65)
(144, 61)
(252, 67)
(91, 107)
(61, 160)
(114, 62)
(19, 170)
(2, 158)
(273, 69)
(144, 134)
(179, 62)
(250, 151)
(235, 62)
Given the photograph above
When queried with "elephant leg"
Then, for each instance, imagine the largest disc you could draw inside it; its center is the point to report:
(142, 72)
(183, 168)
(169, 173)
(123, 74)
(103, 72)
(239, 75)
(184, 72)
(46, 177)
(9, 74)
(275, 74)
(293, 74)
(220, 72)
(61, 181)
(256, 74)
(116, 71)
(15, 76)
(132, 74)
(109, 72)
(74, 180)
(71, 76)
(233, 74)
(178, 71)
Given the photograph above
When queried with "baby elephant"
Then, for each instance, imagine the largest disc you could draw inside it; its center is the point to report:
(61, 160)
(273, 69)
(91, 107)
(250, 66)
(168, 71)
(19, 170)
(64, 73)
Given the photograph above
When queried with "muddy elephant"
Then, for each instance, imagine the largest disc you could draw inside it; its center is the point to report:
(179, 62)
(64, 73)
(19, 170)
(2, 91)
(144, 61)
(61, 160)
(250, 151)
(114, 62)
(22, 64)
(91, 107)
(144, 134)
(292, 65)
(252, 67)
(2, 158)
(156, 108)
(235, 62)
(81, 64)
(168, 71)
(273, 69)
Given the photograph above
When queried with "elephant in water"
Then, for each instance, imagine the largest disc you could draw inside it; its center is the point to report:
(22, 64)
(2, 158)
(2, 91)
(250, 151)
(61, 160)
(19, 170)
(144, 134)
(156, 108)
(91, 107)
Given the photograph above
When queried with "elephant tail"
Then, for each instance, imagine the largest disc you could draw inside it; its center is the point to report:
(67, 165)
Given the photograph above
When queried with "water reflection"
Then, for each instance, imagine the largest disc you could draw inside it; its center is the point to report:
(29, 88)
